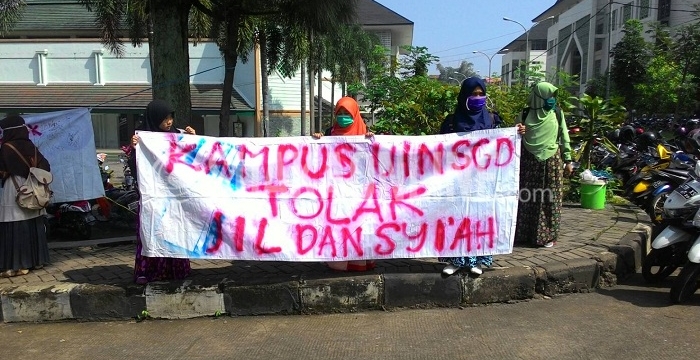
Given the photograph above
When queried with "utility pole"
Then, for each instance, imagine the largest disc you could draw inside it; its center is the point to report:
(303, 98)
(311, 74)
(607, 85)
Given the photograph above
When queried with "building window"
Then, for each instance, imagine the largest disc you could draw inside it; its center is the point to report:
(538, 44)
(614, 20)
(552, 47)
(626, 12)
(384, 38)
(597, 67)
(664, 9)
(598, 45)
(600, 28)
(643, 9)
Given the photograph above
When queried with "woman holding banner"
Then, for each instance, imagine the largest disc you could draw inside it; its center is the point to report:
(159, 118)
(545, 144)
(348, 122)
(23, 244)
(471, 114)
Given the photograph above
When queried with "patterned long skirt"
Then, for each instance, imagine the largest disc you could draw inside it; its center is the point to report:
(471, 261)
(539, 210)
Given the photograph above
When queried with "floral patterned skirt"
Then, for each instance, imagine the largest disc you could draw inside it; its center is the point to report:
(471, 261)
(539, 210)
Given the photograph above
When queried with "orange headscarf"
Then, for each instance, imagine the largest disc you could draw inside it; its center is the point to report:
(358, 126)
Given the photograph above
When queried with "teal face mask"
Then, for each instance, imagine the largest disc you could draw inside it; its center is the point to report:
(550, 103)
(344, 120)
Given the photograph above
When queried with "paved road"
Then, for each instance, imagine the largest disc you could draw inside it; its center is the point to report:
(627, 322)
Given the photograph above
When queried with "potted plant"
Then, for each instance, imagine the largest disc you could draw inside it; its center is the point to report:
(596, 118)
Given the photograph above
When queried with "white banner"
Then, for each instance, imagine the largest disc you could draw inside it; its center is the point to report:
(333, 199)
(67, 141)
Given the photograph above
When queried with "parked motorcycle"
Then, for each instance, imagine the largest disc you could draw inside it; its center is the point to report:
(74, 218)
(638, 187)
(119, 203)
(686, 283)
(664, 181)
(673, 238)
(129, 180)
(686, 200)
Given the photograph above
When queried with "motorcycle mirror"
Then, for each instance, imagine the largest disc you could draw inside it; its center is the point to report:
(696, 171)
(106, 168)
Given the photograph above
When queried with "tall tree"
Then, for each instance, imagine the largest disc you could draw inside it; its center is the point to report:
(631, 57)
(349, 52)
(312, 15)
(416, 62)
(235, 34)
(448, 73)
(285, 49)
(687, 54)
(662, 40)
(166, 26)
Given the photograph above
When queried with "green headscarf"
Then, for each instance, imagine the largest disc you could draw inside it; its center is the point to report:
(543, 129)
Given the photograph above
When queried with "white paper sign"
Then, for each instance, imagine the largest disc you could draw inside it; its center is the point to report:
(67, 141)
(332, 199)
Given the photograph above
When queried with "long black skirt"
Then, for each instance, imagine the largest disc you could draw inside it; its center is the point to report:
(23, 244)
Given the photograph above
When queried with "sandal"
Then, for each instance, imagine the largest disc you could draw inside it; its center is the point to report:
(7, 273)
(22, 272)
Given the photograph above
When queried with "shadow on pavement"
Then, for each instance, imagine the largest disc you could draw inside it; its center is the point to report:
(637, 292)
(101, 275)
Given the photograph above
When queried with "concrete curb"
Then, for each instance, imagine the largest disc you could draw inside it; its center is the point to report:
(185, 299)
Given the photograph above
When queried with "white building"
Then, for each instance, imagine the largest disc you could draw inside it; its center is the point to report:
(53, 59)
(515, 53)
(582, 32)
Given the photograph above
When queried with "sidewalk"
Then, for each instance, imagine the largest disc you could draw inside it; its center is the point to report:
(95, 282)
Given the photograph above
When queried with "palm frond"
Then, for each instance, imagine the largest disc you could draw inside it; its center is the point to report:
(11, 12)
(200, 23)
(137, 21)
(108, 17)
(319, 15)
(246, 38)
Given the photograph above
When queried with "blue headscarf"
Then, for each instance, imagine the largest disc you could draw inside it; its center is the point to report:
(470, 120)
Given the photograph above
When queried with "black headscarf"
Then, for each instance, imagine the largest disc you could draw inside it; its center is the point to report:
(471, 120)
(156, 111)
(15, 132)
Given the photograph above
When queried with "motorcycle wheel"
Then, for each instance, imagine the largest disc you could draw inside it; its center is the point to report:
(686, 283)
(655, 208)
(661, 261)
